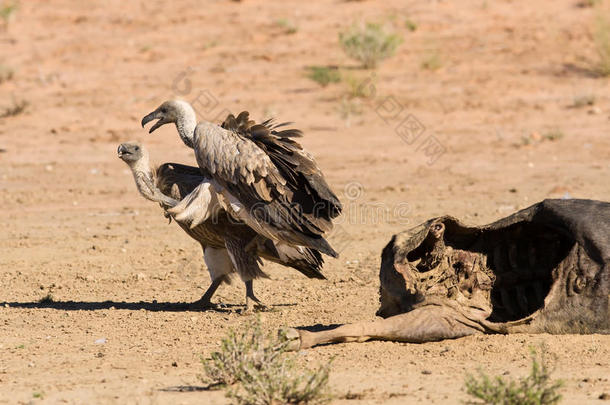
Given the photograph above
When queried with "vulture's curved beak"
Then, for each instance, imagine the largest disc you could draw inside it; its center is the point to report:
(153, 116)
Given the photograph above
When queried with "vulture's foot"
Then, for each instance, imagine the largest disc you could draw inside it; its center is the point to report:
(205, 302)
(253, 303)
(293, 337)
(202, 305)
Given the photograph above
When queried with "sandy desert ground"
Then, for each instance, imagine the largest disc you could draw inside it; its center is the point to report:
(75, 228)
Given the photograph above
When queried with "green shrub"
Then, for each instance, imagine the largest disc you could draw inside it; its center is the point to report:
(410, 25)
(324, 75)
(553, 135)
(256, 369)
(369, 44)
(8, 10)
(535, 389)
(358, 86)
(287, 26)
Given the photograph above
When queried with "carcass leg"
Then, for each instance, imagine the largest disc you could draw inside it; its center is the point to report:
(425, 324)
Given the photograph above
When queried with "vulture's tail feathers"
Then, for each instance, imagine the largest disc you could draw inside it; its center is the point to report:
(307, 261)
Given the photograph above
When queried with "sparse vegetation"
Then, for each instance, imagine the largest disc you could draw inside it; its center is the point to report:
(369, 44)
(601, 36)
(432, 61)
(287, 26)
(588, 3)
(535, 137)
(410, 25)
(553, 135)
(535, 389)
(324, 75)
(16, 108)
(7, 11)
(583, 101)
(6, 73)
(256, 370)
(358, 87)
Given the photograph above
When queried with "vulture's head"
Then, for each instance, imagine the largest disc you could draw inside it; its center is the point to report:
(132, 153)
(169, 112)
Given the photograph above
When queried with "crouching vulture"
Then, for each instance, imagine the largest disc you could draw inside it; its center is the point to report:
(222, 237)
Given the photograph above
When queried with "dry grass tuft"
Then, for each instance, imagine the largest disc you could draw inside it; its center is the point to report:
(16, 108)
(369, 44)
(8, 9)
(432, 61)
(601, 36)
(535, 389)
(6, 73)
(256, 369)
(323, 75)
(287, 26)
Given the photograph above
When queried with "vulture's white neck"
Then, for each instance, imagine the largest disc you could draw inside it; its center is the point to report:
(186, 123)
(141, 165)
(140, 170)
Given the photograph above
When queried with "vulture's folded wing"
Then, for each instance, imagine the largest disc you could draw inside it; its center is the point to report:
(273, 205)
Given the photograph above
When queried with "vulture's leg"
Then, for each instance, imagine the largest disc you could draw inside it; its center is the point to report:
(425, 324)
(205, 301)
(246, 265)
(219, 266)
(251, 297)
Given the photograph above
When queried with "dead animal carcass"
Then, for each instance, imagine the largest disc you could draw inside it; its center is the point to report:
(543, 269)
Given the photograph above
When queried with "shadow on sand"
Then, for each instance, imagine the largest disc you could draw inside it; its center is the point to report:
(319, 327)
(153, 306)
(192, 388)
(132, 306)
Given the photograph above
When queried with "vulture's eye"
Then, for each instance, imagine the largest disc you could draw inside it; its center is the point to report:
(164, 110)
(137, 148)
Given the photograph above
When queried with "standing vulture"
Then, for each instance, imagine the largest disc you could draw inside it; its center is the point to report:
(222, 237)
(270, 182)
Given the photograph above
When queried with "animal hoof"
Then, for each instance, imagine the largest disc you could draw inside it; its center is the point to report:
(293, 337)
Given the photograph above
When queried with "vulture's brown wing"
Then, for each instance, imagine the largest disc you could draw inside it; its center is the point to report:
(247, 172)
